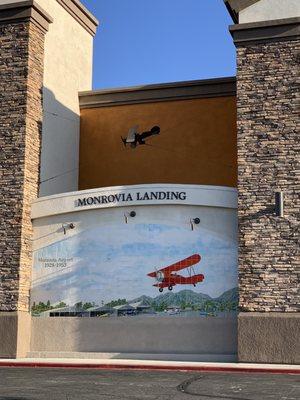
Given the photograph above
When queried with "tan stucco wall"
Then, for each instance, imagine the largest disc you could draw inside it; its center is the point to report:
(197, 144)
(269, 337)
(15, 334)
(265, 10)
(68, 70)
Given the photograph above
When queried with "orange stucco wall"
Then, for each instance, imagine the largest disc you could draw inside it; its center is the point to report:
(197, 144)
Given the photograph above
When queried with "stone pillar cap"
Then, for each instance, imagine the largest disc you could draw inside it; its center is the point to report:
(25, 10)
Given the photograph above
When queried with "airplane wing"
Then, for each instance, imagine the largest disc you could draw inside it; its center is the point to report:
(163, 285)
(131, 134)
(187, 262)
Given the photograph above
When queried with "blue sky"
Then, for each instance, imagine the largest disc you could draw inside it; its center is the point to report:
(155, 41)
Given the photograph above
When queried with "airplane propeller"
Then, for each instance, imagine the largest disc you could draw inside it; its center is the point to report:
(134, 138)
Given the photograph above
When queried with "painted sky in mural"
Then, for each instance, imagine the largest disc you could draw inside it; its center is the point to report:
(112, 261)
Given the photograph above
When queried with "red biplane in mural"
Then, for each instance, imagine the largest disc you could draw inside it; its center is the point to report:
(167, 277)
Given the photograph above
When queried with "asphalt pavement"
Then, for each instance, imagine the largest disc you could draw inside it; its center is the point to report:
(93, 384)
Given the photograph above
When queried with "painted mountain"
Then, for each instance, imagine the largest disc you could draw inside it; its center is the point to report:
(185, 299)
(188, 298)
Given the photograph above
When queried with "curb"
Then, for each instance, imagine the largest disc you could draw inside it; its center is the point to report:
(150, 367)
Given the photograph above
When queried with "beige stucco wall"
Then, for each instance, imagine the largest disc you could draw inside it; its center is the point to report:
(68, 70)
(266, 10)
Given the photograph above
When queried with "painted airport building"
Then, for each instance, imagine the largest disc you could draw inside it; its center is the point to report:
(158, 221)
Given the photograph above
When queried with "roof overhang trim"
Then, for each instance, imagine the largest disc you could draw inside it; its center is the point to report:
(217, 87)
(81, 14)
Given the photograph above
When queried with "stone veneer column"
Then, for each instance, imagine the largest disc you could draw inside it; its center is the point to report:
(268, 159)
(22, 30)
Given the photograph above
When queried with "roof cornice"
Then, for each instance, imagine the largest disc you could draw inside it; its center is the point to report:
(218, 87)
(81, 14)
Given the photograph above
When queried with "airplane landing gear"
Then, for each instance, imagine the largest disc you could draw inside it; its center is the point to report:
(160, 289)
(170, 287)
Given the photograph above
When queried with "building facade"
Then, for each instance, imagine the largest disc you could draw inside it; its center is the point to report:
(92, 218)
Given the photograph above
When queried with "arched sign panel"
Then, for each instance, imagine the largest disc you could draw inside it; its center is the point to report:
(143, 263)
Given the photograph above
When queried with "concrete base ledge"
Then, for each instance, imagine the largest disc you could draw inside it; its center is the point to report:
(151, 365)
(133, 356)
(269, 337)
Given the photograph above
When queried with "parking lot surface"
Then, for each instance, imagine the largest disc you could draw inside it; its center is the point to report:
(92, 384)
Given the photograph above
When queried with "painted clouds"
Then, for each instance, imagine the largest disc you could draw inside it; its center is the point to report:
(112, 261)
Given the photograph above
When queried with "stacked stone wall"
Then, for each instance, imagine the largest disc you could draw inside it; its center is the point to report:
(21, 79)
(268, 160)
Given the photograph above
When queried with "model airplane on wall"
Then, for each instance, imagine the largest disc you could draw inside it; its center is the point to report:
(134, 138)
(167, 277)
